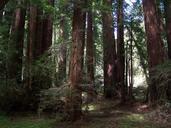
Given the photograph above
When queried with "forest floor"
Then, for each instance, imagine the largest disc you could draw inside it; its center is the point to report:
(103, 114)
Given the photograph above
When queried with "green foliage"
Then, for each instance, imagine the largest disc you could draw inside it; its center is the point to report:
(161, 76)
(136, 121)
(42, 71)
(6, 122)
(14, 97)
(53, 99)
(140, 93)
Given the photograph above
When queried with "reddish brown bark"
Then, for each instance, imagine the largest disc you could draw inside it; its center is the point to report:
(90, 49)
(16, 45)
(154, 42)
(47, 30)
(31, 40)
(153, 34)
(109, 51)
(75, 76)
(167, 4)
(120, 51)
(39, 34)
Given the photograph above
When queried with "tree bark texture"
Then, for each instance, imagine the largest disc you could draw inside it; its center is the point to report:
(16, 45)
(120, 51)
(90, 48)
(75, 76)
(47, 30)
(154, 42)
(109, 51)
(31, 41)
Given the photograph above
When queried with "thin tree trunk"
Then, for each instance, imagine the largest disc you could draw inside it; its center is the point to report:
(63, 49)
(84, 37)
(90, 49)
(126, 67)
(131, 65)
(47, 30)
(167, 5)
(37, 52)
(1, 15)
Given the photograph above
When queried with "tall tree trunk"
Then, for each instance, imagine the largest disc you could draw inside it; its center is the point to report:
(47, 30)
(63, 49)
(31, 41)
(109, 51)
(40, 37)
(154, 43)
(84, 36)
(37, 46)
(131, 65)
(126, 66)
(161, 25)
(90, 48)
(120, 51)
(159, 15)
(1, 15)
(75, 76)
(16, 45)
(167, 5)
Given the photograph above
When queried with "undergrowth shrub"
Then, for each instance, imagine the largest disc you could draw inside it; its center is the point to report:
(161, 76)
(15, 97)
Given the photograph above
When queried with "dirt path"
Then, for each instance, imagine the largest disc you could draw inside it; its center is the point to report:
(102, 114)
(109, 114)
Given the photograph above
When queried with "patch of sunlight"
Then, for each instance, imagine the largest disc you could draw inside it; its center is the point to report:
(136, 121)
(90, 107)
(140, 80)
(135, 117)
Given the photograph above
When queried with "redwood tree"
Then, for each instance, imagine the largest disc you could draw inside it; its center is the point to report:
(109, 50)
(90, 48)
(63, 48)
(47, 29)
(31, 40)
(16, 44)
(75, 76)
(39, 37)
(154, 43)
(120, 50)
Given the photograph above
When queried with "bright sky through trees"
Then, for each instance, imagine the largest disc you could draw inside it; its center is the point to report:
(130, 1)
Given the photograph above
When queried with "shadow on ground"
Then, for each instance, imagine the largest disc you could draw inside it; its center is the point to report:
(102, 114)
